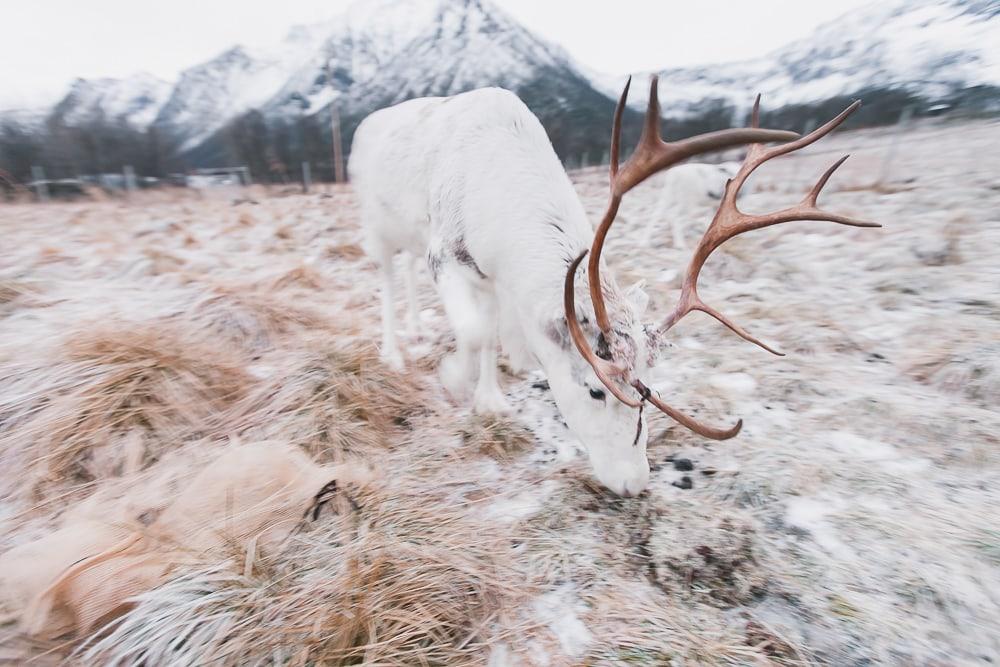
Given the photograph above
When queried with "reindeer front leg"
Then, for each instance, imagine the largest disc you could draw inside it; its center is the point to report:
(410, 281)
(488, 398)
(389, 352)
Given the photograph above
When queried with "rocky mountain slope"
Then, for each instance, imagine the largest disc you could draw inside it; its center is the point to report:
(135, 101)
(385, 52)
(931, 54)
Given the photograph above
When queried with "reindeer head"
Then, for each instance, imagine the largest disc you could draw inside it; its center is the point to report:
(620, 355)
(607, 427)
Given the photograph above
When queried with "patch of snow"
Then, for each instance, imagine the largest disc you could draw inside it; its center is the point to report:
(559, 610)
(522, 505)
(810, 515)
(690, 343)
(667, 275)
(733, 383)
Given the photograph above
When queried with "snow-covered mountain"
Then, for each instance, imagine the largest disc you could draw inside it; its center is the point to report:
(929, 47)
(893, 54)
(929, 51)
(30, 120)
(384, 51)
(291, 77)
(209, 95)
(135, 100)
(387, 51)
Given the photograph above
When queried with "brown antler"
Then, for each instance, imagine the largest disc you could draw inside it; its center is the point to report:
(607, 371)
(652, 155)
(729, 221)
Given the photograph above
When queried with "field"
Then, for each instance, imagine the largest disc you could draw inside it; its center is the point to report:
(180, 374)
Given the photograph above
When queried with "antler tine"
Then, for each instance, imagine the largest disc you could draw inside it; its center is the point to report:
(821, 183)
(688, 422)
(651, 122)
(652, 155)
(616, 129)
(604, 369)
(593, 269)
(814, 136)
(729, 221)
(735, 328)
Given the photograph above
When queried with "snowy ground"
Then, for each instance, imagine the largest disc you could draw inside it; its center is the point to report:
(853, 521)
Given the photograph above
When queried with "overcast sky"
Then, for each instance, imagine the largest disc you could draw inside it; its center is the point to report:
(44, 44)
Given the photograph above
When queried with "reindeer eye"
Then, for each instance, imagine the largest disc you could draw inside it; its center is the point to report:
(597, 394)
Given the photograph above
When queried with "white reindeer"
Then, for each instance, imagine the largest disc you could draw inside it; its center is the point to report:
(688, 188)
(472, 182)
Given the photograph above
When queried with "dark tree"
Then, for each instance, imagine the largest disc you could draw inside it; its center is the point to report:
(19, 150)
(250, 142)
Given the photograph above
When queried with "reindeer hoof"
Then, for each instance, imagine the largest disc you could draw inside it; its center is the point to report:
(491, 403)
(393, 359)
(456, 377)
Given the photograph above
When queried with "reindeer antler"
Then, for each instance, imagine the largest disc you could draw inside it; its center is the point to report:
(729, 221)
(653, 155)
(606, 370)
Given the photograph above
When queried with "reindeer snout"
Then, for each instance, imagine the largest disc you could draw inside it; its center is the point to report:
(626, 483)
(633, 488)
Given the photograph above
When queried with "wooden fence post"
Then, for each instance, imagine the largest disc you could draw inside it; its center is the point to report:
(41, 187)
(129, 175)
(890, 154)
(338, 149)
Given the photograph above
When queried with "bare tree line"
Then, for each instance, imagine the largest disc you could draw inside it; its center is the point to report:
(273, 149)
(276, 148)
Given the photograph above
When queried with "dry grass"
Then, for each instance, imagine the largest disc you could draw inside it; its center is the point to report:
(253, 319)
(654, 579)
(850, 523)
(415, 583)
(12, 290)
(300, 276)
(500, 438)
(639, 629)
(65, 416)
(333, 399)
(347, 251)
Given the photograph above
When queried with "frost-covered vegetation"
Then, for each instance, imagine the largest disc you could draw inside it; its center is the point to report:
(146, 345)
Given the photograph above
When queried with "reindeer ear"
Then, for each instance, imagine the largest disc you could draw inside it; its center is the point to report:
(636, 295)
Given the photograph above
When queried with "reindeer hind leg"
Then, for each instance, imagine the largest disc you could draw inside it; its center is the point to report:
(472, 312)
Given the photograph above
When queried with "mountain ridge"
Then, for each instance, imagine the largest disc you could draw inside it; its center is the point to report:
(278, 100)
(923, 49)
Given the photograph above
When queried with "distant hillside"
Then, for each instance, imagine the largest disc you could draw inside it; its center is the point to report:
(932, 55)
